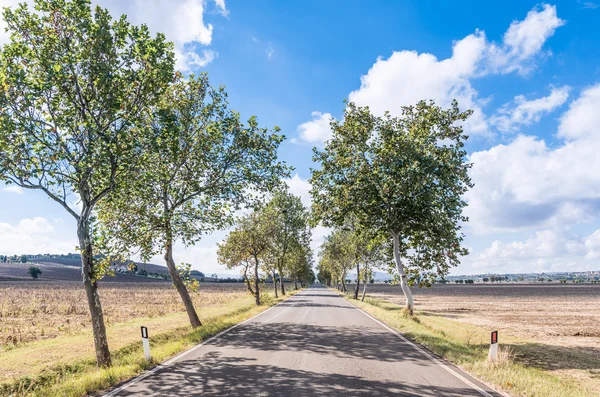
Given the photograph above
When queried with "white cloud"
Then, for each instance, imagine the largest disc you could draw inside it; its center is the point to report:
(221, 6)
(408, 76)
(523, 41)
(270, 50)
(523, 112)
(546, 250)
(13, 189)
(316, 130)
(32, 236)
(300, 187)
(527, 185)
(582, 121)
(182, 21)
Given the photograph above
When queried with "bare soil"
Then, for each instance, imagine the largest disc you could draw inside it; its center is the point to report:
(559, 324)
(33, 310)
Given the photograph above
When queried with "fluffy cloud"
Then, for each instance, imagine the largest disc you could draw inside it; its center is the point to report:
(32, 236)
(316, 130)
(528, 184)
(408, 76)
(182, 21)
(546, 250)
(300, 187)
(13, 189)
(523, 41)
(523, 112)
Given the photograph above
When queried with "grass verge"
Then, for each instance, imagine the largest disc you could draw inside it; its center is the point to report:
(83, 377)
(467, 346)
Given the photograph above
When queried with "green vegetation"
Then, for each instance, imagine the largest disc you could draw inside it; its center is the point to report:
(467, 346)
(197, 161)
(75, 83)
(34, 271)
(402, 178)
(272, 238)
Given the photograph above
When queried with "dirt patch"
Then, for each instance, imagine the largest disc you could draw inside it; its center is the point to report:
(561, 322)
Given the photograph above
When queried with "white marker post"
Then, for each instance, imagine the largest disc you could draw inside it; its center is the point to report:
(493, 354)
(146, 343)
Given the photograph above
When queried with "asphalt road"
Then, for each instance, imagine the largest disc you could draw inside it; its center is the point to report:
(313, 344)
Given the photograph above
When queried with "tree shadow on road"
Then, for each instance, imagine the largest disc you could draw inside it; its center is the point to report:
(366, 343)
(215, 375)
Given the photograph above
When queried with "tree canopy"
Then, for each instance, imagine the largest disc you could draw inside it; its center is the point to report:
(198, 165)
(399, 176)
(74, 86)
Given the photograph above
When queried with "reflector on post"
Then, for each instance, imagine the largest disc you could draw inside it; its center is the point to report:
(146, 343)
(493, 354)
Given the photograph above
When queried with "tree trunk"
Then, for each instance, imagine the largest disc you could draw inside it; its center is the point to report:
(343, 286)
(180, 287)
(357, 281)
(295, 284)
(257, 295)
(91, 291)
(364, 290)
(275, 284)
(403, 277)
(281, 280)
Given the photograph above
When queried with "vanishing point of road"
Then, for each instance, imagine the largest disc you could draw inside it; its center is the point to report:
(313, 344)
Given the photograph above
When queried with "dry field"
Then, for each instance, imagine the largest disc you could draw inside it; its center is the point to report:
(558, 325)
(33, 310)
(567, 315)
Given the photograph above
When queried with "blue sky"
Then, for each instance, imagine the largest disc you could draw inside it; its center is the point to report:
(531, 72)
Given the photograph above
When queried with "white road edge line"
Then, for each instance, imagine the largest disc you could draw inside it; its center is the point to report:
(185, 353)
(424, 352)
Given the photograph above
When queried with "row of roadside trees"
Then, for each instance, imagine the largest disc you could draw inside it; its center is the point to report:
(273, 239)
(93, 114)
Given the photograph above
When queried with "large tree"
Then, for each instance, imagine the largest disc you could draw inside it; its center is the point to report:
(199, 164)
(74, 84)
(402, 176)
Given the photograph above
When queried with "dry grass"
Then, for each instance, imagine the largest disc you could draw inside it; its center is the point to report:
(31, 311)
(77, 375)
(467, 346)
(47, 345)
(550, 327)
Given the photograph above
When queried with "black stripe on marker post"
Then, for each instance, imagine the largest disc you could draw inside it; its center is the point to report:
(144, 332)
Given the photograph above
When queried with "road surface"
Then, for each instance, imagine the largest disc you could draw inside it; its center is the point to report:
(313, 344)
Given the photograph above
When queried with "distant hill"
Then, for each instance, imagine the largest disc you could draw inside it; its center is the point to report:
(54, 271)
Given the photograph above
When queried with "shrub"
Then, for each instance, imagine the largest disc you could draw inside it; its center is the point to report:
(34, 271)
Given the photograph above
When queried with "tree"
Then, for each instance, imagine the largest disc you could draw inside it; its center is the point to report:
(400, 176)
(34, 272)
(324, 275)
(485, 279)
(374, 254)
(245, 247)
(336, 256)
(74, 84)
(199, 163)
(24, 259)
(290, 218)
